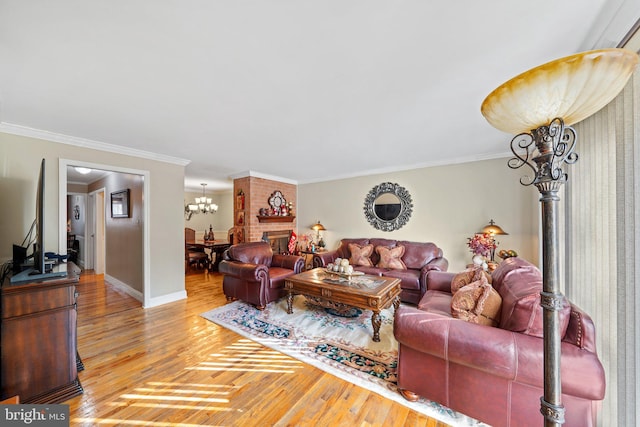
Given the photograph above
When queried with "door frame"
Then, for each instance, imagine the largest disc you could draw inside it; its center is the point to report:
(62, 213)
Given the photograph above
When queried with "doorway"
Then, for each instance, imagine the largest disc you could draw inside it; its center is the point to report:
(96, 221)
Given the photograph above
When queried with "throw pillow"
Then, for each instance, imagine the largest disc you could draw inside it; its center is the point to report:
(466, 277)
(477, 303)
(360, 255)
(390, 257)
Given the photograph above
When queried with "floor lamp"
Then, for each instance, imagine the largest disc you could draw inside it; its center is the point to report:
(539, 106)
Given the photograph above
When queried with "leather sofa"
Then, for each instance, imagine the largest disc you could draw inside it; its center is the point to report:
(254, 274)
(417, 259)
(495, 374)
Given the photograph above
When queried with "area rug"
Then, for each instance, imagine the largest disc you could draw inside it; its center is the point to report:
(336, 341)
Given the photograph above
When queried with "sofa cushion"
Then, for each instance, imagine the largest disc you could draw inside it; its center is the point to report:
(477, 303)
(360, 255)
(466, 277)
(436, 302)
(521, 309)
(343, 249)
(378, 242)
(372, 271)
(391, 257)
(410, 279)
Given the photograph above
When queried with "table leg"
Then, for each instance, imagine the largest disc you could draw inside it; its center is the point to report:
(396, 304)
(290, 302)
(376, 322)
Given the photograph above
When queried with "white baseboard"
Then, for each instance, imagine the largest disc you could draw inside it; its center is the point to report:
(124, 287)
(153, 302)
(165, 299)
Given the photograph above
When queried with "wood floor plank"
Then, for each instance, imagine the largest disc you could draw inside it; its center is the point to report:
(168, 366)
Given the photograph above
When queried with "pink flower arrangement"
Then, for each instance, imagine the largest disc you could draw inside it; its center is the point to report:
(482, 244)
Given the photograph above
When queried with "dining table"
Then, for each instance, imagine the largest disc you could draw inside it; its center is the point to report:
(216, 247)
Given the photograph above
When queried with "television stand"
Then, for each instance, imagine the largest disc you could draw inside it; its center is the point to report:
(38, 349)
(30, 274)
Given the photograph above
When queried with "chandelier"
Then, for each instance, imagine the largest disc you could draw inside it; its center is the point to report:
(202, 205)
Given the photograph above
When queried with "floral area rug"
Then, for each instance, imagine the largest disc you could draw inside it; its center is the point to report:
(337, 342)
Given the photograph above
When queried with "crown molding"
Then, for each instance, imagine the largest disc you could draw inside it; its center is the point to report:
(263, 176)
(390, 170)
(88, 143)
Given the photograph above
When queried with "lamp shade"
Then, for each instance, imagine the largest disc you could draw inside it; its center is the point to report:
(318, 227)
(493, 229)
(571, 88)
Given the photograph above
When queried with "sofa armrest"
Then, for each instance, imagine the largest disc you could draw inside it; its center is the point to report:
(244, 271)
(498, 352)
(439, 280)
(439, 264)
(321, 259)
(292, 262)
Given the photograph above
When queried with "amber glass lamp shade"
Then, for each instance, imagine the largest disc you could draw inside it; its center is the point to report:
(493, 229)
(571, 88)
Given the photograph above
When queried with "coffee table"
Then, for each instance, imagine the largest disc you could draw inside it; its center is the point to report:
(331, 290)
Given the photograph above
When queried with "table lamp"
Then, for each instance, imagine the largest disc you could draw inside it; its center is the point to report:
(493, 230)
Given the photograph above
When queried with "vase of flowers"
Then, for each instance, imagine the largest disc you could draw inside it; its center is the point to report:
(481, 245)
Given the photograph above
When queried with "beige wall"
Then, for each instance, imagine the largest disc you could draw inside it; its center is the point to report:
(450, 203)
(124, 242)
(19, 164)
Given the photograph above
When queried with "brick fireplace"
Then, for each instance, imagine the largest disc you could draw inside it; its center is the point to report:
(279, 240)
(256, 192)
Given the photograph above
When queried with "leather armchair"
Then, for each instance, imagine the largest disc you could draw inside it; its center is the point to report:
(254, 274)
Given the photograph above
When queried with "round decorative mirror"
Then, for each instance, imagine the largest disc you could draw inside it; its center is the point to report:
(388, 206)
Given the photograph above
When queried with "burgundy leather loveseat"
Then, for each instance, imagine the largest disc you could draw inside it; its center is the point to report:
(416, 259)
(495, 374)
(254, 274)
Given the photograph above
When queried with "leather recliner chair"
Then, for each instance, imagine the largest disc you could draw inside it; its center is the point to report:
(254, 274)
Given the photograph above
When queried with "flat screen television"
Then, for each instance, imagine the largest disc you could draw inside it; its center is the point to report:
(41, 267)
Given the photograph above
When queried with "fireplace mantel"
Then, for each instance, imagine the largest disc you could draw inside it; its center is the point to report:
(276, 218)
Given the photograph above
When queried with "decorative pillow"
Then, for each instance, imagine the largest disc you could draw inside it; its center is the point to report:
(477, 303)
(390, 257)
(360, 255)
(466, 277)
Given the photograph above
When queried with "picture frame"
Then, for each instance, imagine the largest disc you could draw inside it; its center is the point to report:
(120, 204)
(240, 218)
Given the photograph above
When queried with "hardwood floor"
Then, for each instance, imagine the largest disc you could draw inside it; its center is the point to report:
(167, 366)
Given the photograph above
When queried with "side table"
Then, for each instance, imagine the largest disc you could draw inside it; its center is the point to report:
(308, 257)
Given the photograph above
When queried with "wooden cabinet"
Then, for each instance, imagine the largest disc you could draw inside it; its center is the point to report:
(38, 340)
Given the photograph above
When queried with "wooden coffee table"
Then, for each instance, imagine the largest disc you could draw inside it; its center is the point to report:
(373, 293)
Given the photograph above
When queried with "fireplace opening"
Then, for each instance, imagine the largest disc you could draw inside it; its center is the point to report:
(279, 240)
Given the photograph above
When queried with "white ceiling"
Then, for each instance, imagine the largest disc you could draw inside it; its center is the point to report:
(304, 90)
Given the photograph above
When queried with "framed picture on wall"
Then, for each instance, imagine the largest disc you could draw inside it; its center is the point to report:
(120, 204)
(240, 218)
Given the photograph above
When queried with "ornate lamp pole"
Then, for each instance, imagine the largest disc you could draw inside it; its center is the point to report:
(539, 105)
